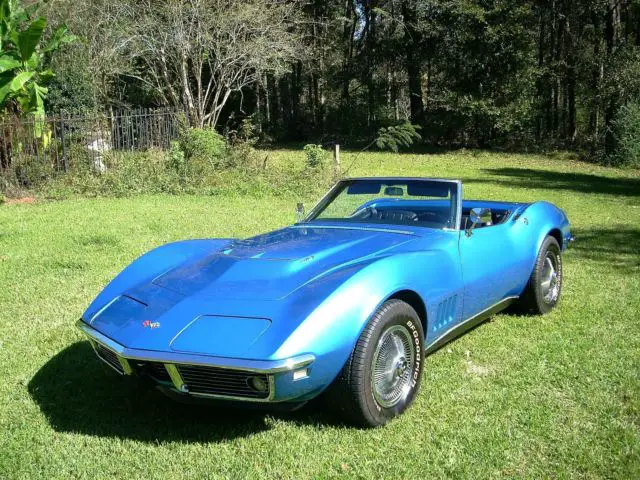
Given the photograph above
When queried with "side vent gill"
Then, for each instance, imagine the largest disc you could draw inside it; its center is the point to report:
(445, 312)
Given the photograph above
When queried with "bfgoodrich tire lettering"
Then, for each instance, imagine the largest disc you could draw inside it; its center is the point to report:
(365, 398)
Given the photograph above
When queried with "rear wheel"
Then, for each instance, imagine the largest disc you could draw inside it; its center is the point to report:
(382, 376)
(545, 285)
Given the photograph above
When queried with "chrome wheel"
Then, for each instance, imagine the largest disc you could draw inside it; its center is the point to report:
(550, 278)
(392, 366)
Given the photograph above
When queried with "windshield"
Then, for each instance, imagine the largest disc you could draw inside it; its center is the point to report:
(427, 203)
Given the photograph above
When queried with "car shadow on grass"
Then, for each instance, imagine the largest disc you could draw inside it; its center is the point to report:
(615, 247)
(78, 394)
(552, 180)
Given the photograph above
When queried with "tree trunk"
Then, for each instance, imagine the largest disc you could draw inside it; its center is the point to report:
(296, 93)
(572, 131)
(370, 6)
(347, 34)
(611, 36)
(258, 106)
(540, 80)
(412, 64)
(594, 111)
(267, 105)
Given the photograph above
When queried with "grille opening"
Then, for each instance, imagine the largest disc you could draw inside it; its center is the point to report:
(222, 382)
(155, 370)
(109, 357)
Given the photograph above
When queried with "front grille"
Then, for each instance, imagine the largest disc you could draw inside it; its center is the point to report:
(109, 357)
(155, 370)
(222, 382)
(158, 371)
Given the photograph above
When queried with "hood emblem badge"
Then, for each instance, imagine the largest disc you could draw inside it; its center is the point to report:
(150, 324)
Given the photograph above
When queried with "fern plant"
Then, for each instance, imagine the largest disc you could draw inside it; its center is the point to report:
(392, 138)
(397, 136)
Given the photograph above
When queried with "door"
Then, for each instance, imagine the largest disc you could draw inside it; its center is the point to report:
(488, 267)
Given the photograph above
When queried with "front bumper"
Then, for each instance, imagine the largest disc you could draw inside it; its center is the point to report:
(207, 376)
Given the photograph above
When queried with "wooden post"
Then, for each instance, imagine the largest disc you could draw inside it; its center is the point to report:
(65, 159)
(336, 161)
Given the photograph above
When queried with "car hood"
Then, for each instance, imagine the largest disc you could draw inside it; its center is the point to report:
(271, 266)
(194, 308)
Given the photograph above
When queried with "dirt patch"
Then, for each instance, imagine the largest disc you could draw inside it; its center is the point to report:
(478, 370)
(9, 201)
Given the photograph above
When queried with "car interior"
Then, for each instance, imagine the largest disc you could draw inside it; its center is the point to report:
(498, 216)
(402, 205)
(426, 215)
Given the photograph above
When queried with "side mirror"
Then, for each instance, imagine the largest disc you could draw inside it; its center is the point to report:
(479, 216)
(300, 213)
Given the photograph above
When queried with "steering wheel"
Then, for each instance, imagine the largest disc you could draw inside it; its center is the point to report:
(365, 213)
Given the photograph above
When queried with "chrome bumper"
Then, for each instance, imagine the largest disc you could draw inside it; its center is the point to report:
(173, 360)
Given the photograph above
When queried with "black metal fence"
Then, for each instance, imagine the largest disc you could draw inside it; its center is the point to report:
(55, 139)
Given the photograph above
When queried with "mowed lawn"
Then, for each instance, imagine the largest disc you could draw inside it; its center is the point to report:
(553, 396)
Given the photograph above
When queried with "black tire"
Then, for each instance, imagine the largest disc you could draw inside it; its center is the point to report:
(537, 298)
(352, 393)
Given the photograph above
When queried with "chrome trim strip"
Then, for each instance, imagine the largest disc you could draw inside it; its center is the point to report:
(258, 366)
(103, 308)
(458, 225)
(321, 203)
(125, 365)
(272, 393)
(95, 350)
(340, 227)
(469, 323)
(176, 378)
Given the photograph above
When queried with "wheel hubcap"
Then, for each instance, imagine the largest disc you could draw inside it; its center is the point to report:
(393, 362)
(550, 279)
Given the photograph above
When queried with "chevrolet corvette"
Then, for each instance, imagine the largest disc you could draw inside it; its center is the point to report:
(346, 302)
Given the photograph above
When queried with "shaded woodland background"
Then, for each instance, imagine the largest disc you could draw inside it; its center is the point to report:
(517, 74)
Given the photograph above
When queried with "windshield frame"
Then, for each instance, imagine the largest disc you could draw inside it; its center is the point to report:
(334, 191)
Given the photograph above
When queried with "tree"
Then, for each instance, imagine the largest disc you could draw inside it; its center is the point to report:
(196, 53)
(479, 73)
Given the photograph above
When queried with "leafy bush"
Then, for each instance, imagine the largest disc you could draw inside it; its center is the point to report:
(627, 130)
(128, 173)
(177, 159)
(241, 147)
(30, 171)
(204, 147)
(155, 171)
(316, 155)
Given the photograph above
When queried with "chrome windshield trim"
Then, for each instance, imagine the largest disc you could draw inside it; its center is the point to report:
(328, 197)
(258, 366)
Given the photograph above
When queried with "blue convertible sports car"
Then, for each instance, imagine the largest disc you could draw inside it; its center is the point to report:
(345, 302)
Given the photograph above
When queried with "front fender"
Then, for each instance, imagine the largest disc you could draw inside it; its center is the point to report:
(545, 217)
(150, 265)
(331, 331)
(536, 222)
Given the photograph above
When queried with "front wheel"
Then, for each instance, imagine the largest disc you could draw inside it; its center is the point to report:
(382, 376)
(545, 285)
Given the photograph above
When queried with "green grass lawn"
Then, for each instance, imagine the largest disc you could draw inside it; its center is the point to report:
(552, 396)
